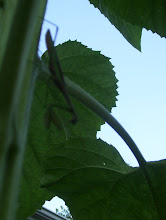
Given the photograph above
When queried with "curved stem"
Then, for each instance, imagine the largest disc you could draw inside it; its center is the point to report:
(82, 96)
(86, 99)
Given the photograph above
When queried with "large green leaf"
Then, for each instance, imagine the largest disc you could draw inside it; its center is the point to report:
(142, 13)
(132, 196)
(132, 33)
(95, 182)
(89, 69)
(93, 72)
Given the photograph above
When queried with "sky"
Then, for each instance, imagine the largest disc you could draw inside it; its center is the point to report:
(141, 103)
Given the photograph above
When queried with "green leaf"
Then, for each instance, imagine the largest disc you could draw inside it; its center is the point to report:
(94, 73)
(89, 69)
(132, 33)
(142, 13)
(79, 172)
(95, 182)
(32, 196)
(133, 191)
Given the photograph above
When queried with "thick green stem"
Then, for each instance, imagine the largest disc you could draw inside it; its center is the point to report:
(86, 99)
(16, 91)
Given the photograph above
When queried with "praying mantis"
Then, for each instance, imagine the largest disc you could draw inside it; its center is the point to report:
(58, 80)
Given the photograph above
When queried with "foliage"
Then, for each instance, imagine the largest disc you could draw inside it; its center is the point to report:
(61, 158)
(130, 31)
(20, 28)
(144, 14)
(72, 57)
(95, 182)
(64, 212)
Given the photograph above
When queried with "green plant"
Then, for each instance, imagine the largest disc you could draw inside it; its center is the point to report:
(68, 160)
(64, 212)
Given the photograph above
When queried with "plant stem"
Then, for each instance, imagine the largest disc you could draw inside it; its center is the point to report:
(16, 91)
(90, 102)
(85, 98)
(82, 96)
